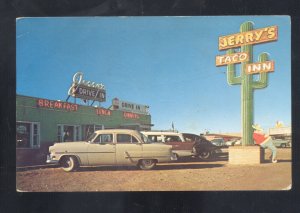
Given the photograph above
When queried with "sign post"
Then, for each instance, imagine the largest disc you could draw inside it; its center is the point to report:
(245, 39)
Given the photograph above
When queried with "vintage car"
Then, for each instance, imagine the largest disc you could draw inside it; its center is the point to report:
(111, 147)
(204, 148)
(281, 143)
(180, 147)
(184, 144)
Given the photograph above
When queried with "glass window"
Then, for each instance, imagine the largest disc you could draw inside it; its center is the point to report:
(35, 135)
(27, 135)
(23, 135)
(104, 138)
(125, 138)
(133, 139)
(155, 138)
(59, 135)
(172, 138)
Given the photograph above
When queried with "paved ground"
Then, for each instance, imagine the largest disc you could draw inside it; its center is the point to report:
(185, 175)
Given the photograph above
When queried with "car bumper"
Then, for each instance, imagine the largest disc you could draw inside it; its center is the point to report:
(50, 160)
(218, 151)
(173, 156)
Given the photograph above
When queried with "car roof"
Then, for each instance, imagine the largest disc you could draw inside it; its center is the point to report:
(128, 131)
(160, 133)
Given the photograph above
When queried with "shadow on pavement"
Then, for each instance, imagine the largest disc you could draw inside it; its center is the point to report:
(171, 166)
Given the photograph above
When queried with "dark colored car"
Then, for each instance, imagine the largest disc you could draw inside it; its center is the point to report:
(204, 148)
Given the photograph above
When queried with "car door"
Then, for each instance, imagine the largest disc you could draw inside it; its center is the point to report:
(128, 149)
(102, 150)
(177, 143)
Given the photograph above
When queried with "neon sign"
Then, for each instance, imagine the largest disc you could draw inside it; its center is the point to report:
(56, 105)
(87, 90)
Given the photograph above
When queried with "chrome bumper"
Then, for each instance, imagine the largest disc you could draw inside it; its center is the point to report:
(173, 156)
(50, 160)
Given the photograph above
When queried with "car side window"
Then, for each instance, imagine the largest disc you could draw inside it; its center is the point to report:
(125, 138)
(155, 138)
(104, 138)
(172, 138)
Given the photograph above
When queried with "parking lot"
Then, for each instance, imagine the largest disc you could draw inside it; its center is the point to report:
(184, 175)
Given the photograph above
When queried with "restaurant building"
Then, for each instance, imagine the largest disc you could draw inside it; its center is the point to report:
(41, 122)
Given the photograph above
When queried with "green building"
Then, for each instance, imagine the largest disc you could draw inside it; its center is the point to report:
(42, 122)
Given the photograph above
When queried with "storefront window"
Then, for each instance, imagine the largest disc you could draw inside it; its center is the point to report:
(59, 133)
(90, 129)
(27, 135)
(68, 133)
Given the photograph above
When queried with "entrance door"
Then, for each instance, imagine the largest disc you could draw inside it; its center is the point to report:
(102, 150)
(67, 133)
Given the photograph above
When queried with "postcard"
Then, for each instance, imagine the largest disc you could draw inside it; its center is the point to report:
(200, 103)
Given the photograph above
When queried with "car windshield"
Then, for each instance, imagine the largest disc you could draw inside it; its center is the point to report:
(91, 137)
(145, 138)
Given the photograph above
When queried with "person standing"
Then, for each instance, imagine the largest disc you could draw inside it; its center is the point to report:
(66, 136)
(265, 141)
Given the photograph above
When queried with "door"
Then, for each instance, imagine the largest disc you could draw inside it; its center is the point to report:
(128, 149)
(182, 148)
(102, 150)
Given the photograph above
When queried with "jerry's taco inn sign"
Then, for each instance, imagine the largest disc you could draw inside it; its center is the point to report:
(87, 90)
(239, 50)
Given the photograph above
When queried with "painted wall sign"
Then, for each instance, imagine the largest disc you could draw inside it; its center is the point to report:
(250, 37)
(102, 111)
(129, 106)
(234, 58)
(56, 105)
(130, 115)
(87, 90)
(267, 66)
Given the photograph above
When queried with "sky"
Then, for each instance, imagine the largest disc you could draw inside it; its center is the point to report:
(167, 63)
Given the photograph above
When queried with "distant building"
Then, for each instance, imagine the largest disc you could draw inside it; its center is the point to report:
(225, 136)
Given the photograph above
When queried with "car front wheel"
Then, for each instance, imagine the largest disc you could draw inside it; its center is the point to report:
(69, 163)
(147, 164)
(205, 155)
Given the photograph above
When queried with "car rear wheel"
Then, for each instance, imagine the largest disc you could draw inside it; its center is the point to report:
(205, 155)
(147, 164)
(283, 145)
(69, 163)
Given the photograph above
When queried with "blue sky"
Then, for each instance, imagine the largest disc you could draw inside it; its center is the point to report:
(167, 63)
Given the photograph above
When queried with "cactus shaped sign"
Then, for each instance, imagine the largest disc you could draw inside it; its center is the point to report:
(245, 40)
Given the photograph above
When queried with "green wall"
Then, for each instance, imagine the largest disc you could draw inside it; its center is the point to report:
(27, 110)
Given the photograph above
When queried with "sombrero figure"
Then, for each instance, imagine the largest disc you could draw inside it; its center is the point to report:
(265, 141)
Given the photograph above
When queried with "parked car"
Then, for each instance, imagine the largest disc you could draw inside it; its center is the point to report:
(111, 147)
(230, 143)
(281, 143)
(204, 148)
(238, 142)
(218, 142)
(180, 147)
(184, 144)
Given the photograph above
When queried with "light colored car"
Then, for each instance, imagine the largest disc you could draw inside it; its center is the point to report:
(218, 142)
(281, 143)
(180, 147)
(111, 147)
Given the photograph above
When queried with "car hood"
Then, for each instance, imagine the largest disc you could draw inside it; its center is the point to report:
(68, 146)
